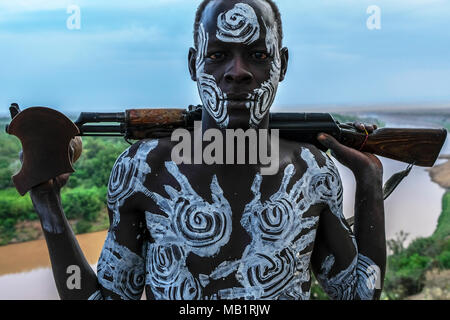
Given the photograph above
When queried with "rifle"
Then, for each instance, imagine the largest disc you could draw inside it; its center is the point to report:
(38, 125)
(420, 147)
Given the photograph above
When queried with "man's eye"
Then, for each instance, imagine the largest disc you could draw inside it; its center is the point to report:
(216, 56)
(261, 56)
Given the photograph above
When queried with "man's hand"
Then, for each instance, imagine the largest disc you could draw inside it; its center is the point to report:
(55, 185)
(363, 165)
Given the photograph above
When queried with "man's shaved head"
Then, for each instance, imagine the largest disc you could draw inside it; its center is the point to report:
(204, 4)
(238, 61)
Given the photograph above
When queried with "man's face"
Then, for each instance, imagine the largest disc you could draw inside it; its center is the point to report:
(238, 64)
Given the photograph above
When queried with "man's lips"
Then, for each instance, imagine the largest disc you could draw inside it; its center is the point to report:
(243, 97)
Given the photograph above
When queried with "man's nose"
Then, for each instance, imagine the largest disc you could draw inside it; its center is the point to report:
(238, 72)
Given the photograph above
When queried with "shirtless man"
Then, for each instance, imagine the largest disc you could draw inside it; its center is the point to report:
(220, 231)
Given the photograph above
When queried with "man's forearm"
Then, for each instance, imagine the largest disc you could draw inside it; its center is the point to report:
(369, 222)
(73, 275)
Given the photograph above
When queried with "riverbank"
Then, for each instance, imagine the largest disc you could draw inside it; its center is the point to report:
(440, 174)
(27, 256)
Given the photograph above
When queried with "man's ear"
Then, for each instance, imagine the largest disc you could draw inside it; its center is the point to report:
(284, 62)
(192, 61)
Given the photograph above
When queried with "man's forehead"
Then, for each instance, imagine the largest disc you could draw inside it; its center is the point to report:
(260, 9)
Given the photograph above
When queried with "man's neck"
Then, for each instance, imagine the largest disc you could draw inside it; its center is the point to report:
(237, 127)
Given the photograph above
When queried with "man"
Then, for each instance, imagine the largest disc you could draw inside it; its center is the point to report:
(224, 231)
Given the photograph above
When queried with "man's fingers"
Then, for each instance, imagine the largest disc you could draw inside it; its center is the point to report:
(76, 148)
(331, 143)
(362, 127)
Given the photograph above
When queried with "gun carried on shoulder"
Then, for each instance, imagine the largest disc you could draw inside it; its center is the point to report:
(45, 135)
(420, 147)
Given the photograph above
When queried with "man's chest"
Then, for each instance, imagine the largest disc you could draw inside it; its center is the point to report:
(250, 235)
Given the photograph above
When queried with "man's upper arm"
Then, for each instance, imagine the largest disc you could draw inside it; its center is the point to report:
(121, 267)
(342, 271)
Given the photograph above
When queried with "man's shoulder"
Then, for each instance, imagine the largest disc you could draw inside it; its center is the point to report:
(300, 150)
(151, 151)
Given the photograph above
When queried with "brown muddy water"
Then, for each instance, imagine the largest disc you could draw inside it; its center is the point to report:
(22, 257)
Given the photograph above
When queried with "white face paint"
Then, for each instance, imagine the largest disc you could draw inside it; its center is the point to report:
(212, 97)
(239, 25)
(263, 97)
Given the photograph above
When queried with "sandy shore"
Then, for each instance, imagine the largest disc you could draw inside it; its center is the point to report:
(22, 257)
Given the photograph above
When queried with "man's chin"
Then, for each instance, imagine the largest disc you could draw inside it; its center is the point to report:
(239, 119)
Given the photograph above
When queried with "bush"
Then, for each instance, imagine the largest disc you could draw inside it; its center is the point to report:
(80, 203)
(15, 207)
(444, 260)
(83, 198)
(443, 225)
(82, 226)
(405, 275)
(96, 162)
(422, 246)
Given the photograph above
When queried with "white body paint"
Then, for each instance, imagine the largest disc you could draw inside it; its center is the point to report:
(119, 270)
(274, 265)
(191, 225)
(127, 177)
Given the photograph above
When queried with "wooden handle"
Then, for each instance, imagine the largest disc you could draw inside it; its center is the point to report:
(157, 117)
(419, 146)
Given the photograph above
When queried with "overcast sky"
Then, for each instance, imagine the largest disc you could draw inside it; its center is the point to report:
(134, 54)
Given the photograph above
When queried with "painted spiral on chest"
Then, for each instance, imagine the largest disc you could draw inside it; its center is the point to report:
(326, 188)
(202, 225)
(271, 272)
(164, 264)
(239, 25)
(274, 219)
(120, 270)
(187, 289)
(135, 280)
(168, 277)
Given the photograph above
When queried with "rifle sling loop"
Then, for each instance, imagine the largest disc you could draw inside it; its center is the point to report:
(365, 140)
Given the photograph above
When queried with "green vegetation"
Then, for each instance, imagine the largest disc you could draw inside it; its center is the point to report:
(407, 266)
(83, 199)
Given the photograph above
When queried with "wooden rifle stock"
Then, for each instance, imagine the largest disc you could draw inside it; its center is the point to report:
(420, 147)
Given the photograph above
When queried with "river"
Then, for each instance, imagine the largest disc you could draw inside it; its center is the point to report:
(414, 207)
(416, 204)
